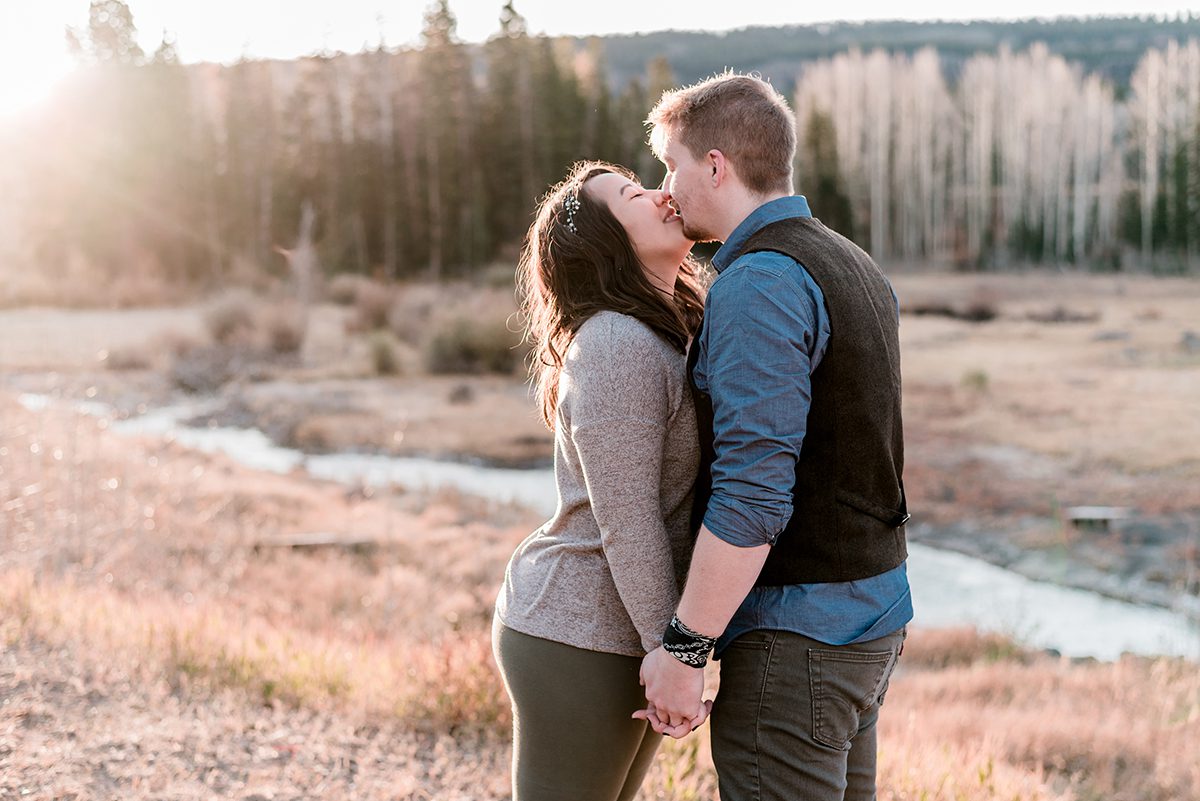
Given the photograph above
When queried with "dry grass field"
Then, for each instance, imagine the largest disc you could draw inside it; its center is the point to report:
(1092, 370)
(155, 644)
(151, 652)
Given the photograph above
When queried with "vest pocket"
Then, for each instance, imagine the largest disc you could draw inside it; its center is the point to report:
(844, 685)
(891, 517)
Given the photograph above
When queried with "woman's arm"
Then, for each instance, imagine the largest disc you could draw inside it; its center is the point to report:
(617, 399)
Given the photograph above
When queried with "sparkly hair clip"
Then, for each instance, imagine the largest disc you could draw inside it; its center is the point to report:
(572, 205)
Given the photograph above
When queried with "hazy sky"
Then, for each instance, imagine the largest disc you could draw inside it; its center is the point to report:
(32, 54)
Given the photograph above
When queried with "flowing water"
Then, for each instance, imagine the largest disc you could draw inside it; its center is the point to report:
(949, 589)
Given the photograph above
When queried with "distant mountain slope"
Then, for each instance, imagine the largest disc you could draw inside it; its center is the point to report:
(1111, 46)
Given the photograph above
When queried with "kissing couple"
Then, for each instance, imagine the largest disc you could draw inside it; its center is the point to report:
(729, 467)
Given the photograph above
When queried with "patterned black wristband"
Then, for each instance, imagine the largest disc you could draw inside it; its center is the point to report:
(689, 647)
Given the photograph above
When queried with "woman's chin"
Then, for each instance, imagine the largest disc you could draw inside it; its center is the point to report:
(681, 240)
(684, 248)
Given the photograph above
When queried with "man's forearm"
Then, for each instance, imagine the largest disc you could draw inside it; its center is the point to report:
(720, 578)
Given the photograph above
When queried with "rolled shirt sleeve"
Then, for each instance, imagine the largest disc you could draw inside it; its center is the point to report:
(764, 332)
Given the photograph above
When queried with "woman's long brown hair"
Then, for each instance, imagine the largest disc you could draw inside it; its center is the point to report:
(567, 274)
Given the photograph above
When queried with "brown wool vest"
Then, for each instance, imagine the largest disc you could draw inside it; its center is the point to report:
(849, 508)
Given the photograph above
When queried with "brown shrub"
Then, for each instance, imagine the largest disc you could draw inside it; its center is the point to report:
(975, 311)
(343, 288)
(942, 648)
(384, 358)
(414, 310)
(285, 326)
(205, 369)
(230, 319)
(130, 358)
(1062, 314)
(465, 344)
(373, 304)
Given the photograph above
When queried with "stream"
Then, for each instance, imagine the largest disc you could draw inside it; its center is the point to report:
(949, 589)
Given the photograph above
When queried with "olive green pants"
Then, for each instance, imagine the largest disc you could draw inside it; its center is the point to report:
(573, 737)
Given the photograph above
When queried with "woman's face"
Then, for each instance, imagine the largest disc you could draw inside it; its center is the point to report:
(654, 228)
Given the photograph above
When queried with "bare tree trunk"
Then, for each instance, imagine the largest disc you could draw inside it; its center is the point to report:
(1023, 140)
(387, 144)
(302, 258)
(879, 104)
(525, 115)
(432, 152)
(265, 211)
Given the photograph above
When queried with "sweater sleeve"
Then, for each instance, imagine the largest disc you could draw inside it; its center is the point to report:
(619, 401)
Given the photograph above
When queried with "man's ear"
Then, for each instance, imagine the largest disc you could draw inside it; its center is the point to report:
(718, 167)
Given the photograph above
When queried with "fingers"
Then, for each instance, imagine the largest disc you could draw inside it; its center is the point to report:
(705, 711)
(679, 732)
(678, 726)
(649, 714)
(689, 725)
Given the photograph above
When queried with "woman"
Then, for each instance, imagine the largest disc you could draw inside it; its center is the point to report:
(611, 300)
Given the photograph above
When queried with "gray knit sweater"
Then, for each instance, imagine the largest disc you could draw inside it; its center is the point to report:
(605, 572)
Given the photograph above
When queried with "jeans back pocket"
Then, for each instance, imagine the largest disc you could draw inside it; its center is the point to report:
(844, 685)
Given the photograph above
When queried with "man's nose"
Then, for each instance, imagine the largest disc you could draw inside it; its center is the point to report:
(665, 186)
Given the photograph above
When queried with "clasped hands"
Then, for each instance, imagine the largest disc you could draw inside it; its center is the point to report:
(673, 695)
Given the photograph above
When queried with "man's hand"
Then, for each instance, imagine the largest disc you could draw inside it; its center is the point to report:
(673, 692)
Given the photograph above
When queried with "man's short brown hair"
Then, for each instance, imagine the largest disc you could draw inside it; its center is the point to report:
(740, 115)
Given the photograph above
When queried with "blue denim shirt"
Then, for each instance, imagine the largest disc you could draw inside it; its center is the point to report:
(765, 331)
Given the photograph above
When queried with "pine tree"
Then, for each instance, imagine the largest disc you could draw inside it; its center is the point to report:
(1192, 193)
(559, 109)
(659, 78)
(167, 176)
(375, 164)
(110, 36)
(506, 131)
(103, 168)
(631, 110)
(451, 170)
(604, 136)
(822, 180)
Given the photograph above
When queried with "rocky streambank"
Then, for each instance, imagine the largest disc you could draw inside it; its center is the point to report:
(1143, 560)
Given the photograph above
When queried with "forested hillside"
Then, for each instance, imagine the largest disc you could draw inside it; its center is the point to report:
(1111, 47)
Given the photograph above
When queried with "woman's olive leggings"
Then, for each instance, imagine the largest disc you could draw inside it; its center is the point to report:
(573, 737)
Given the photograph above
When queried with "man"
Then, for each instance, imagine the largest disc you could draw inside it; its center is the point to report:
(798, 575)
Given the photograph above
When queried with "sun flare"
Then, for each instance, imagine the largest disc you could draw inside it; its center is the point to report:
(29, 70)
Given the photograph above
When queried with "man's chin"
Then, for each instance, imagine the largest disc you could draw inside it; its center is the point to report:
(697, 234)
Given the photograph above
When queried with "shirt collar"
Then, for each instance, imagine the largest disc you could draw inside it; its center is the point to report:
(770, 212)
